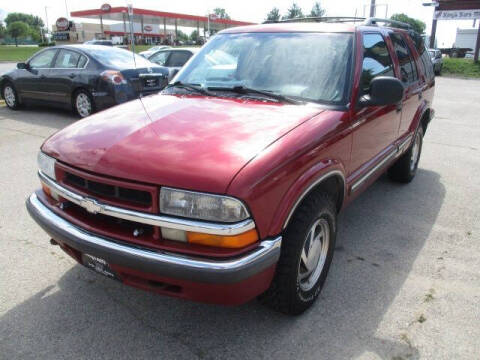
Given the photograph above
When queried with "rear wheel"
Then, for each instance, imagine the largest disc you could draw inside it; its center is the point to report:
(83, 103)
(307, 250)
(10, 95)
(405, 168)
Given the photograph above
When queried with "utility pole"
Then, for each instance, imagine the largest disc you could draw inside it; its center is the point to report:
(66, 9)
(46, 17)
(372, 8)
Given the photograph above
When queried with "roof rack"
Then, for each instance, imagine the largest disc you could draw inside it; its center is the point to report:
(343, 19)
(392, 23)
(328, 19)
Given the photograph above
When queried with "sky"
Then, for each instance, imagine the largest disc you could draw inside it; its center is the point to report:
(247, 10)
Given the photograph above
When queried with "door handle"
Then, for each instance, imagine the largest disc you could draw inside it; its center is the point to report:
(420, 95)
(72, 75)
(42, 77)
(399, 108)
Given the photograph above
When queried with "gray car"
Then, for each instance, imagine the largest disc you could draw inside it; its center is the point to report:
(437, 60)
(173, 59)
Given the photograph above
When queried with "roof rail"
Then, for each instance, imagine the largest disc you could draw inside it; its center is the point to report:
(388, 22)
(329, 19)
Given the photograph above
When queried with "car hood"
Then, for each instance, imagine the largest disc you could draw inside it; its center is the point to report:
(188, 142)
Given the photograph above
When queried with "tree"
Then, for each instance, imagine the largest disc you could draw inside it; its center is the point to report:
(194, 35)
(35, 23)
(221, 13)
(181, 35)
(18, 29)
(418, 25)
(2, 30)
(317, 10)
(294, 12)
(32, 21)
(273, 15)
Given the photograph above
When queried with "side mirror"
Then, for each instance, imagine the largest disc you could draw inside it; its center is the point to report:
(22, 65)
(384, 90)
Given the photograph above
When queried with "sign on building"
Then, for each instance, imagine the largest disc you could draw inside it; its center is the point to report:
(456, 15)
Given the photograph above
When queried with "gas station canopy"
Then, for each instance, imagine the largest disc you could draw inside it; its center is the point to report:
(106, 12)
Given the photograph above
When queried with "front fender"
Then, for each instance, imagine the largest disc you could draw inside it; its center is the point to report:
(302, 187)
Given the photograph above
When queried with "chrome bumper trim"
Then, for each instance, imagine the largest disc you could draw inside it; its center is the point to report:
(95, 207)
(155, 262)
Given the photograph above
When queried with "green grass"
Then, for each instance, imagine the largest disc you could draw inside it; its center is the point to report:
(461, 67)
(21, 53)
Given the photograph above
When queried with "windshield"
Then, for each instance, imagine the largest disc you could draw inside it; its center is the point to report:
(309, 66)
(118, 58)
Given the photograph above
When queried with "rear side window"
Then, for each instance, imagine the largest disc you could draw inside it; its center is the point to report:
(408, 70)
(376, 59)
(425, 55)
(179, 58)
(160, 58)
(67, 59)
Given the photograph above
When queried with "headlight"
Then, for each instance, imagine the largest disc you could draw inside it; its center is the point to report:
(201, 206)
(46, 164)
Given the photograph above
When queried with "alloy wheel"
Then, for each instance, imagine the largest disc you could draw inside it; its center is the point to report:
(83, 105)
(9, 95)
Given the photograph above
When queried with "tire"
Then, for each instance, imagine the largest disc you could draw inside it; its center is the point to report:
(82, 103)
(292, 290)
(405, 168)
(10, 96)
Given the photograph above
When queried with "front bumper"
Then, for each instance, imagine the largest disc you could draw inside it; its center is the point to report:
(156, 263)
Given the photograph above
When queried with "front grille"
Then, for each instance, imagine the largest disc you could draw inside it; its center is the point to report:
(108, 191)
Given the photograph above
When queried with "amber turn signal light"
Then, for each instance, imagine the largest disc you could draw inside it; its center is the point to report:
(236, 241)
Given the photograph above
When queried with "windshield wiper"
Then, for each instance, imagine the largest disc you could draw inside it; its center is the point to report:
(265, 93)
(192, 87)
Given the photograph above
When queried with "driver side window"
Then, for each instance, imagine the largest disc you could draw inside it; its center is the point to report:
(376, 60)
(42, 60)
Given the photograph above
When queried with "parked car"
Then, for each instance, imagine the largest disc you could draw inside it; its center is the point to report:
(85, 78)
(152, 50)
(227, 185)
(99, 42)
(173, 59)
(437, 60)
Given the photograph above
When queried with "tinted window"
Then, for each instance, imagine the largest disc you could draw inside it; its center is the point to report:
(179, 58)
(160, 58)
(82, 61)
(42, 60)
(408, 69)
(117, 58)
(67, 59)
(376, 60)
(310, 66)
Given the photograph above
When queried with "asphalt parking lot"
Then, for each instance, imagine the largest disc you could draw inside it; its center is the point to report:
(404, 283)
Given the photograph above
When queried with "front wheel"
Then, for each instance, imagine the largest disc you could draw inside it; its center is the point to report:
(405, 168)
(83, 103)
(307, 250)
(10, 96)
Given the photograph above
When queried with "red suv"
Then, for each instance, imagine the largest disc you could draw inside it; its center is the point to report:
(227, 185)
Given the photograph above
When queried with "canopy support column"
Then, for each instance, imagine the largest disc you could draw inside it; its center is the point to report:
(433, 34)
(477, 45)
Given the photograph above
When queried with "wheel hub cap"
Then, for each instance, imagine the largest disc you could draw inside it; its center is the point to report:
(9, 96)
(314, 254)
(415, 152)
(84, 107)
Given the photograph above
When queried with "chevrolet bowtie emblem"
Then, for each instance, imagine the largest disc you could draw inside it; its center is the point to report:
(91, 205)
